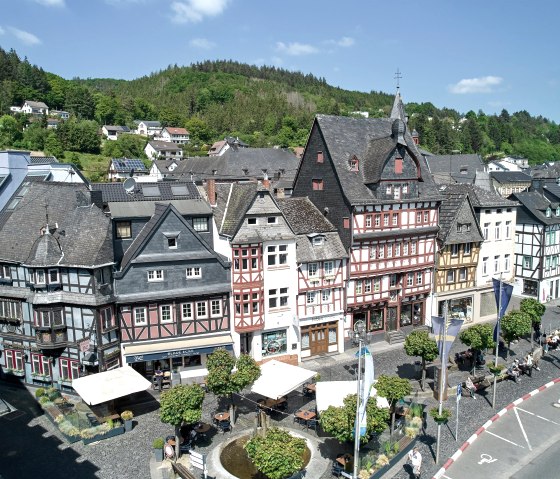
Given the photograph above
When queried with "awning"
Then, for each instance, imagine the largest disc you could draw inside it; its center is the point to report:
(332, 393)
(278, 379)
(109, 385)
(139, 352)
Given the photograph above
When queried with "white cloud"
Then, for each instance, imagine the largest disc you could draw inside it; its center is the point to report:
(51, 3)
(194, 11)
(295, 49)
(343, 42)
(475, 85)
(202, 43)
(2, 31)
(122, 3)
(25, 37)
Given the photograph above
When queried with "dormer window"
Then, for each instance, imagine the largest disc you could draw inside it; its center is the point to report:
(558, 211)
(40, 276)
(354, 164)
(464, 170)
(251, 221)
(388, 189)
(172, 240)
(320, 157)
(53, 276)
(548, 212)
(318, 240)
(271, 220)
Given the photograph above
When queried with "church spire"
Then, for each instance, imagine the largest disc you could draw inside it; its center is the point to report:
(397, 112)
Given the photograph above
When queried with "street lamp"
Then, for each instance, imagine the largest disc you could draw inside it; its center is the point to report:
(359, 329)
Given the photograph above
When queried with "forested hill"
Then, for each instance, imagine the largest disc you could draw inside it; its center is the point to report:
(264, 106)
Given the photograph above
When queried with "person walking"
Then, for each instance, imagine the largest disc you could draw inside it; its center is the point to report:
(416, 460)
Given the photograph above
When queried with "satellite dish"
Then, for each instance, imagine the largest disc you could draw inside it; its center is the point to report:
(129, 185)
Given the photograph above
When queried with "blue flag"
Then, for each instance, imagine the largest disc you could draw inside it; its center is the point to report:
(367, 383)
(507, 290)
(444, 344)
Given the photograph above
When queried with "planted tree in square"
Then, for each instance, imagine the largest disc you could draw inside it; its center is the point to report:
(393, 389)
(478, 337)
(515, 325)
(419, 343)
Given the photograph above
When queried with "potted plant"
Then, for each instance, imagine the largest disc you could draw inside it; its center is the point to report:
(157, 445)
(442, 418)
(127, 416)
(497, 369)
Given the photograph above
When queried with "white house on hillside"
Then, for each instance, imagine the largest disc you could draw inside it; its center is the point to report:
(163, 150)
(35, 108)
(179, 136)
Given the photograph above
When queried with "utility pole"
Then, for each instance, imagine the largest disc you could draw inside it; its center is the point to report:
(443, 375)
(357, 422)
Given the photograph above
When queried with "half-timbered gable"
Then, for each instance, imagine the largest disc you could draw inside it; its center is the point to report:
(172, 292)
(369, 179)
(322, 268)
(58, 287)
(537, 242)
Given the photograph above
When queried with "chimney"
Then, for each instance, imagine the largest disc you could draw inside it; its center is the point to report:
(415, 137)
(280, 193)
(211, 190)
(265, 181)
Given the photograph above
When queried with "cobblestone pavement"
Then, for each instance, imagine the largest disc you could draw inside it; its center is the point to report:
(128, 456)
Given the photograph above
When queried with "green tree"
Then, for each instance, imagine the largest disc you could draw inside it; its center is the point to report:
(277, 454)
(393, 389)
(80, 102)
(181, 404)
(9, 131)
(419, 343)
(534, 309)
(222, 380)
(79, 135)
(53, 146)
(125, 146)
(34, 136)
(478, 337)
(514, 325)
(340, 422)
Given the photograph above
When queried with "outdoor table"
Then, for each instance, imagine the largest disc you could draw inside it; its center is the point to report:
(202, 428)
(270, 403)
(309, 388)
(345, 460)
(305, 415)
(222, 416)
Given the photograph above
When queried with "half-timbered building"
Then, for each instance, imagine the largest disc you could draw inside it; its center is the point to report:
(459, 241)
(57, 319)
(370, 181)
(322, 269)
(537, 247)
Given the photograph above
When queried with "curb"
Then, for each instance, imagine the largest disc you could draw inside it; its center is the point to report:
(487, 424)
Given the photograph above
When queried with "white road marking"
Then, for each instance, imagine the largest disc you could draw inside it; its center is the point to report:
(522, 429)
(446, 477)
(504, 439)
(540, 417)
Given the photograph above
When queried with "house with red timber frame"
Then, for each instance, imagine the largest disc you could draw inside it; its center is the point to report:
(368, 178)
(322, 268)
(264, 274)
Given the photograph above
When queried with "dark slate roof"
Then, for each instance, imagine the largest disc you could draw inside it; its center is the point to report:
(151, 226)
(481, 198)
(510, 177)
(536, 205)
(462, 168)
(368, 139)
(456, 208)
(233, 200)
(125, 165)
(42, 160)
(124, 129)
(241, 164)
(546, 170)
(151, 123)
(163, 165)
(159, 145)
(83, 233)
(160, 191)
(552, 191)
(303, 216)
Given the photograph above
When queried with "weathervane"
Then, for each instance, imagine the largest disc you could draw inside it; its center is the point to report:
(397, 77)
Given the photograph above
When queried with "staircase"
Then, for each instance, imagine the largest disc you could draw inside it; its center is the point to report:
(394, 337)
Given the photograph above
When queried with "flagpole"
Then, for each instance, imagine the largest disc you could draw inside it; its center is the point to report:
(497, 343)
(442, 374)
(357, 422)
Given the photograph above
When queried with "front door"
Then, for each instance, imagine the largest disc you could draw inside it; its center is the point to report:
(318, 341)
(245, 340)
(392, 319)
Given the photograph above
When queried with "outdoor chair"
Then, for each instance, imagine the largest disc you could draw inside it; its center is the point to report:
(336, 469)
(312, 424)
(224, 426)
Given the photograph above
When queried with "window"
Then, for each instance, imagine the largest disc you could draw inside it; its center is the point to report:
(386, 219)
(196, 271)
(377, 220)
(140, 318)
(397, 250)
(467, 249)
(388, 189)
(496, 264)
(155, 275)
(40, 276)
(40, 364)
(200, 224)
(317, 184)
(320, 158)
(166, 315)
(381, 252)
(251, 221)
(107, 319)
(410, 279)
(318, 240)
(368, 221)
(201, 309)
(454, 250)
(69, 369)
(367, 285)
(346, 223)
(310, 297)
(527, 262)
(398, 165)
(393, 280)
(486, 230)
(547, 263)
(419, 277)
(548, 212)
(53, 276)
(389, 251)
(418, 217)
(14, 359)
(277, 255)
(450, 278)
(274, 342)
(326, 296)
(508, 229)
(530, 287)
(462, 274)
(413, 247)
(498, 230)
(10, 309)
(405, 189)
(405, 249)
(395, 219)
(426, 216)
(554, 261)
(172, 243)
(271, 220)
(373, 252)
(312, 270)
(396, 192)
(485, 266)
(50, 318)
(277, 298)
(123, 230)
(5, 272)
(328, 268)
(376, 285)
(359, 286)
(186, 312)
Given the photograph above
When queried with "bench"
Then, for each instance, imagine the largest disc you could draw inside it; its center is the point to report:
(479, 381)
(182, 471)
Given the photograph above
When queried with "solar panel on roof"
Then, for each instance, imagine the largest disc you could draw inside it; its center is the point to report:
(180, 190)
(151, 191)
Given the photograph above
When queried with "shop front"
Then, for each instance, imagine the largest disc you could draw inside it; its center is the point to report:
(319, 338)
(458, 308)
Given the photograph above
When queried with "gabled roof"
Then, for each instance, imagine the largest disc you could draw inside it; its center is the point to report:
(152, 226)
(510, 177)
(156, 191)
(462, 168)
(151, 123)
(42, 160)
(36, 104)
(163, 165)
(159, 145)
(536, 205)
(233, 199)
(370, 140)
(456, 209)
(176, 131)
(84, 233)
(122, 129)
(481, 198)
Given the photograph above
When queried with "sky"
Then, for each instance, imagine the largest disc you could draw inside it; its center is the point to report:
(465, 55)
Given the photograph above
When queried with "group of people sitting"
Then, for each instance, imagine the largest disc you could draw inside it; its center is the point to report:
(525, 366)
